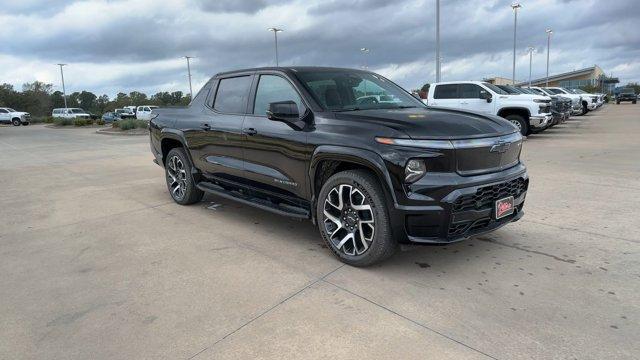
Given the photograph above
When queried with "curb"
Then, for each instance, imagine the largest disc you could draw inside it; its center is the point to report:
(119, 133)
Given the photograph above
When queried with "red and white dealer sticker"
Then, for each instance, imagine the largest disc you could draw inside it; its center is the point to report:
(504, 207)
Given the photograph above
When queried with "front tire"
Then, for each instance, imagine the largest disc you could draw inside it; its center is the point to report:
(353, 218)
(585, 110)
(180, 182)
(16, 122)
(520, 123)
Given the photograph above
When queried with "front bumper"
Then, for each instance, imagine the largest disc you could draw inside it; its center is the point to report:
(540, 121)
(592, 106)
(466, 210)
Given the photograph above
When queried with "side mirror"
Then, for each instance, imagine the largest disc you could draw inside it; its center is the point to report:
(486, 95)
(286, 112)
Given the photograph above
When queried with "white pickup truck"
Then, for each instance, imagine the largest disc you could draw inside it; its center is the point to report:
(17, 118)
(588, 101)
(144, 112)
(527, 113)
(576, 100)
(70, 113)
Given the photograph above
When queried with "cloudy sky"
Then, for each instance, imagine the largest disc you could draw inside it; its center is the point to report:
(125, 45)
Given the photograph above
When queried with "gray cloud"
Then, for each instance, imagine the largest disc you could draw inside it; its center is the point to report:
(476, 38)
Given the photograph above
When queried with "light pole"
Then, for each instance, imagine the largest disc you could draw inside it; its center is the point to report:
(549, 32)
(189, 74)
(275, 34)
(438, 58)
(365, 51)
(515, 6)
(64, 92)
(530, 49)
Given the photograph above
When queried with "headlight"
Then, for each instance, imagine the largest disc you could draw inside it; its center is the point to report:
(414, 170)
(539, 100)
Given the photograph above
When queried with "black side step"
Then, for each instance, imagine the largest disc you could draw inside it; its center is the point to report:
(264, 204)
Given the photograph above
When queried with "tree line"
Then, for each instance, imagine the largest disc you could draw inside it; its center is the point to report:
(39, 99)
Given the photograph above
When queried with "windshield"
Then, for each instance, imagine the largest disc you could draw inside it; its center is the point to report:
(495, 88)
(578, 91)
(555, 91)
(348, 90)
(510, 89)
(11, 110)
(77, 111)
(528, 91)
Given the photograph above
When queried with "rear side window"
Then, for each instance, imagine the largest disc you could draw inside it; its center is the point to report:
(232, 94)
(3, 111)
(448, 91)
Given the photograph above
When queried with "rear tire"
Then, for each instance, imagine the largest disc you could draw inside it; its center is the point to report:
(520, 123)
(353, 218)
(180, 182)
(16, 122)
(633, 102)
(585, 110)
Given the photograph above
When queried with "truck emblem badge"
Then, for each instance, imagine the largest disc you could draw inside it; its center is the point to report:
(500, 147)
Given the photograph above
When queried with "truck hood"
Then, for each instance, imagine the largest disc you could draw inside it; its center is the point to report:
(428, 123)
(19, 113)
(525, 97)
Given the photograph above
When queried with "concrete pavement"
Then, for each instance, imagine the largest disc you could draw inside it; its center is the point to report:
(97, 262)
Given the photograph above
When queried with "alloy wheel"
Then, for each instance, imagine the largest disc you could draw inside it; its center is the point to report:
(349, 220)
(517, 124)
(176, 177)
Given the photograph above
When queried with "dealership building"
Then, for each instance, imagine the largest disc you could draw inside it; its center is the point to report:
(591, 76)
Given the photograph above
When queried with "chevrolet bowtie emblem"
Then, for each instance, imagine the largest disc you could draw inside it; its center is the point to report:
(500, 147)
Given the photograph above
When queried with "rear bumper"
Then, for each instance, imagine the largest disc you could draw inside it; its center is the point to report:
(468, 209)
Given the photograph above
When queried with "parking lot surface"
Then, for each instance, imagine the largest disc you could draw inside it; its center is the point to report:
(97, 262)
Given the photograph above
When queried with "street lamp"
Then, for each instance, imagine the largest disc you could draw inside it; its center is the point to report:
(275, 34)
(64, 92)
(438, 40)
(530, 49)
(549, 32)
(515, 6)
(189, 74)
(365, 51)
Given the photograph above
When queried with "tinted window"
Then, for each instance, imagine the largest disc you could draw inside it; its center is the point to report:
(232, 93)
(470, 91)
(272, 88)
(449, 91)
(495, 88)
(555, 91)
(3, 111)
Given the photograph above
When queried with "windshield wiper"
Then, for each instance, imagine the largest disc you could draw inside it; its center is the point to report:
(347, 109)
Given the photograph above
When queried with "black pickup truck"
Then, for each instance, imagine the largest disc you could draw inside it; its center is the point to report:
(626, 95)
(362, 158)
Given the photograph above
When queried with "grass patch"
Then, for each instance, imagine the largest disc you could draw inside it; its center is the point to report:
(62, 121)
(129, 124)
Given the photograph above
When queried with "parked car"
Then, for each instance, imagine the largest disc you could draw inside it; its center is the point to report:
(527, 113)
(594, 98)
(70, 113)
(130, 108)
(576, 100)
(587, 103)
(144, 112)
(560, 106)
(17, 118)
(514, 91)
(125, 113)
(370, 176)
(626, 95)
(110, 117)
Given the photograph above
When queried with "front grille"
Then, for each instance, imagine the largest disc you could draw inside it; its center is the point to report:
(485, 197)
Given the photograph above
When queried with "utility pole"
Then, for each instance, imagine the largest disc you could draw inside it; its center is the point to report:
(438, 40)
(530, 49)
(515, 6)
(549, 32)
(64, 91)
(275, 34)
(365, 51)
(189, 74)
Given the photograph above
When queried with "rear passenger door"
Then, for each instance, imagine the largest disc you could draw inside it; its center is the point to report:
(446, 96)
(217, 144)
(4, 115)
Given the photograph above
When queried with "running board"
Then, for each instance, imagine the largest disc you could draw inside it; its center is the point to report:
(264, 204)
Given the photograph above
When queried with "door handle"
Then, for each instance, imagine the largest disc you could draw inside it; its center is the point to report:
(250, 131)
(205, 127)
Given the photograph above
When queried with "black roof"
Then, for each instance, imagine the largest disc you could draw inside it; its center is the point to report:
(288, 69)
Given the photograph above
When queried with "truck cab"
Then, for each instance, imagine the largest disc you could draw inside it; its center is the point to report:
(526, 112)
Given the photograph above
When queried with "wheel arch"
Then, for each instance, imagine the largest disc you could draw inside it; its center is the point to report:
(170, 139)
(328, 160)
(522, 111)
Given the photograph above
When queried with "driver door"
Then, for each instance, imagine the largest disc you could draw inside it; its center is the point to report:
(4, 115)
(275, 154)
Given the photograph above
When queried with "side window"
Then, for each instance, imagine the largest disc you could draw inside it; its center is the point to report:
(140, 108)
(272, 88)
(146, 109)
(3, 111)
(232, 95)
(470, 91)
(447, 91)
